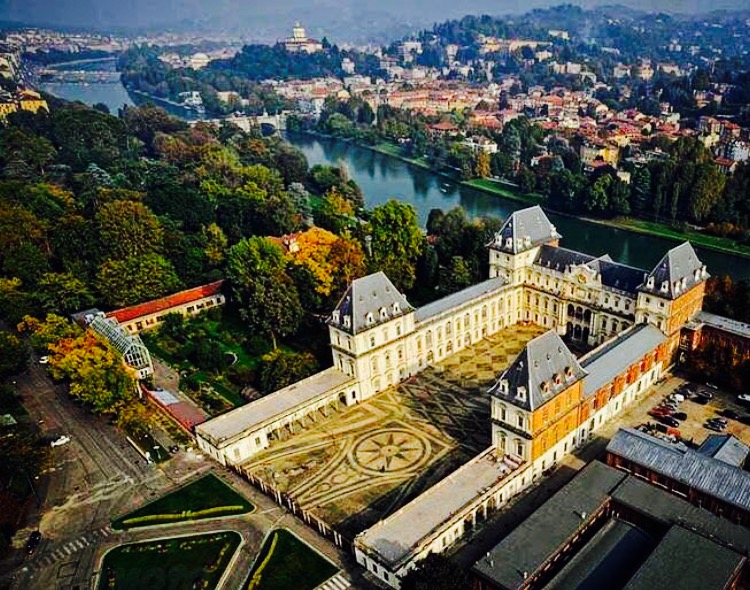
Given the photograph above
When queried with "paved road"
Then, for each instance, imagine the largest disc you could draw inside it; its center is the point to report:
(98, 475)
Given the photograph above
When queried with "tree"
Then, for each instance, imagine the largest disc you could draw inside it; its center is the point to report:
(63, 293)
(436, 572)
(455, 277)
(266, 296)
(13, 355)
(482, 166)
(136, 279)
(397, 242)
(128, 229)
(291, 164)
(96, 372)
(44, 333)
(280, 368)
(640, 190)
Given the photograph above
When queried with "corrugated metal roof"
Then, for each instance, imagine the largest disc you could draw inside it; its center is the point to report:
(725, 447)
(604, 363)
(456, 300)
(725, 324)
(711, 476)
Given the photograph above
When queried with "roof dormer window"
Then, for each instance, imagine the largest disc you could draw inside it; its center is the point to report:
(521, 393)
(383, 314)
(568, 372)
(697, 274)
(556, 378)
(545, 386)
(504, 386)
(664, 286)
(347, 321)
(509, 242)
(650, 283)
(336, 316)
(396, 307)
(370, 319)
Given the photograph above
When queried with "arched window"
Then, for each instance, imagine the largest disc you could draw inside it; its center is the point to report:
(428, 338)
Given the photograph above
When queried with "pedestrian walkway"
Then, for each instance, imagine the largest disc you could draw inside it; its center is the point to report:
(72, 547)
(337, 582)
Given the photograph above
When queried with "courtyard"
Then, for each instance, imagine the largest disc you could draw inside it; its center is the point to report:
(368, 460)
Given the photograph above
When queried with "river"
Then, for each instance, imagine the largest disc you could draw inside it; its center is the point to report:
(383, 177)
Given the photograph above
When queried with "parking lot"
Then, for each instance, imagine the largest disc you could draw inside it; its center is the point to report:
(700, 411)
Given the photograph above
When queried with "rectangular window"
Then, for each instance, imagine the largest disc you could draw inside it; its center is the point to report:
(257, 441)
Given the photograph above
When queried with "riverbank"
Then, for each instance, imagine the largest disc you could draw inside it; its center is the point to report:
(507, 191)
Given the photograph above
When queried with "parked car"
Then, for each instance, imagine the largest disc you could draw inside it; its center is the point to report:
(745, 419)
(711, 385)
(701, 398)
(706, 393)
(679, 416)
(60, 441)
(744, 398)
(44, 360)
(678, 397)
(729, 413)
(34, 539)
(669, 421)
(715, 426)
(718, 420)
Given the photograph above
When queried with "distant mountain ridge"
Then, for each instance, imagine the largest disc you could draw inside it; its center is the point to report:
(342, 20)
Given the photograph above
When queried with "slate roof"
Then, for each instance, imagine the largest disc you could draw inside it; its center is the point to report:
(456, 300)
(613, 274)
(684, 560)
(604, 363)
(369, 295)
(523, 230)
(618, 276)
(725, 447)
(559, 259)
(532, 377)
(677, 272)
(549, 527)
(709, 475)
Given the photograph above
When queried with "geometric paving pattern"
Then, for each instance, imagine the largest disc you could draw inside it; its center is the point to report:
(366, 461)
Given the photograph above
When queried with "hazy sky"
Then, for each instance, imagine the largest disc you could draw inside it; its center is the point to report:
(263, 19)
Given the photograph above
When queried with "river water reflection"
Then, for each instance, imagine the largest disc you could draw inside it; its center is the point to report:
(383, 177)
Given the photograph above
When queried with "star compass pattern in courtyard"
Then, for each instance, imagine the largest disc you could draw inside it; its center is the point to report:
(390, 451)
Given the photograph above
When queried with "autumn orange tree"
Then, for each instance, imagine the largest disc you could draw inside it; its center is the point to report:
(94, 369)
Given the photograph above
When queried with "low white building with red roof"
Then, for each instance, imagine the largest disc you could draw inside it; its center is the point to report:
(189, 302)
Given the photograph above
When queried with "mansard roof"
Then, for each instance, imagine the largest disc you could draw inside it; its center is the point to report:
(369, 301)
(679, 271)
(613, 274)
(618, 276)
(544, 368)
(524, 229)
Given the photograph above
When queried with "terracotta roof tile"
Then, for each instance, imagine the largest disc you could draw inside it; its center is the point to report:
(127, 314)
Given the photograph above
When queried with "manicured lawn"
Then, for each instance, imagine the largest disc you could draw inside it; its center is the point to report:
(184, 563)
(698, 239)
(285, 562)
(498, 188)
(207, 497)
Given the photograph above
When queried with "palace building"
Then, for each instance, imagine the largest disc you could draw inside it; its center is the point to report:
(547, 403)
